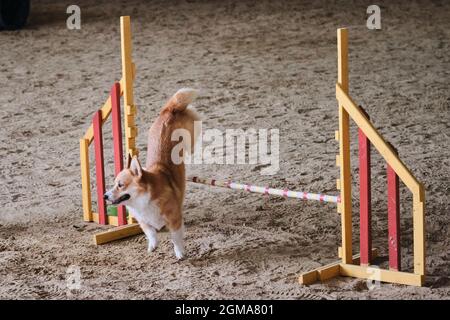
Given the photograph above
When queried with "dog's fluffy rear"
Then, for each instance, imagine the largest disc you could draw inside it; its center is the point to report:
(174, 115)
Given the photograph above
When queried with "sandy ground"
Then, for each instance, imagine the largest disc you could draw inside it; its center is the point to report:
(259, 64)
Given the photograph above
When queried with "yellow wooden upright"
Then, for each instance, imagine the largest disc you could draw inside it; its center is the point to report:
(127, 78)
(85, 180)
(345, 207)
(128, 71)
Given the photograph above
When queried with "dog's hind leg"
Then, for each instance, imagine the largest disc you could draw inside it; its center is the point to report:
(174, 221)
(151, 235)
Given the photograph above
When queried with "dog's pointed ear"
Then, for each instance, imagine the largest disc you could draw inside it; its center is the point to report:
(135, 167)
(129, 157)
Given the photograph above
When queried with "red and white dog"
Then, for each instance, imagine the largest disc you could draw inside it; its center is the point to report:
(154, 195)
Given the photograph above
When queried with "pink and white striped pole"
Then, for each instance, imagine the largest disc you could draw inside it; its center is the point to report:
(266, 190)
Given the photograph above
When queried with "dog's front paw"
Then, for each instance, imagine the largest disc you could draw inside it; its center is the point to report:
(180, 253)
(152, 245)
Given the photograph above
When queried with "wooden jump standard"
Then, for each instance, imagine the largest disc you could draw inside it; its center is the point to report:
(94, 134)
(359, 265)
(350, 265)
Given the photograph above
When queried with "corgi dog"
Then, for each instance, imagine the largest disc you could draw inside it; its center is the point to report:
(154, 194)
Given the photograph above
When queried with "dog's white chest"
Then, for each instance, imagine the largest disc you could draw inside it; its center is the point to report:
(148, 213)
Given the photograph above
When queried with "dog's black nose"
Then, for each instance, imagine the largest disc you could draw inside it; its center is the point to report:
(105, 196)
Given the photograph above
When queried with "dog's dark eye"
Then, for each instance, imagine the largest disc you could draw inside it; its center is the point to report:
(120, 185)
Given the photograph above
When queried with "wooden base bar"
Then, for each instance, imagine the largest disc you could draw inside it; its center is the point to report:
(117, 233)
(328, 271)
(336, 269)
(382, 275)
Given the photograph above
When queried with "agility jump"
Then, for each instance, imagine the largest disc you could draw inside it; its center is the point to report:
(94, 134)
(350, 265)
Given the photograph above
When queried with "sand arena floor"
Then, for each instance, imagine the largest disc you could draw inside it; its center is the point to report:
(259, 64)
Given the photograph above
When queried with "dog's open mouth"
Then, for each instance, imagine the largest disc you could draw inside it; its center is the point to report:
(121, 199)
